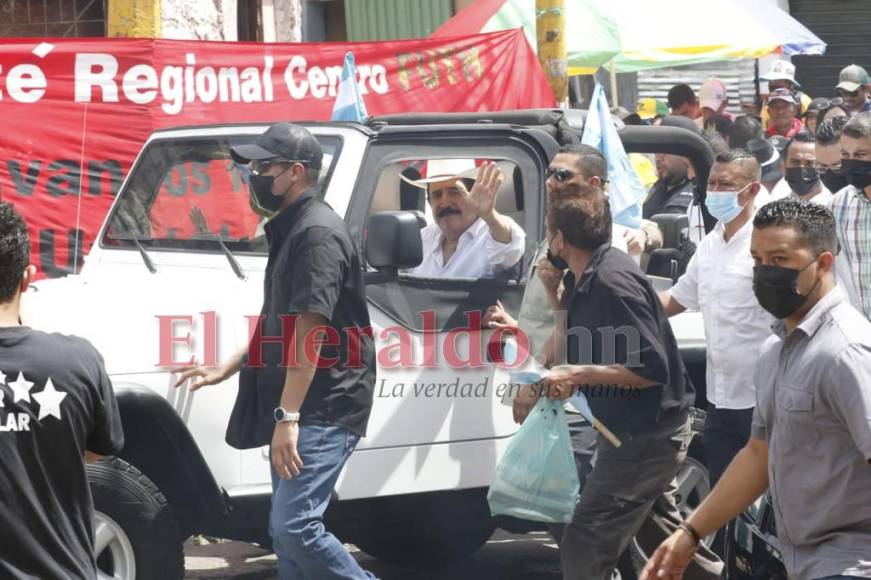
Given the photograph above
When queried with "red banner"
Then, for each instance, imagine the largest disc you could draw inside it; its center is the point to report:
(75, 112)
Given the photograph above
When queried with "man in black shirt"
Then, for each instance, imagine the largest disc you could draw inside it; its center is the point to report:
(622, 353)
(308, 373)
(57, 409)
(673, 191)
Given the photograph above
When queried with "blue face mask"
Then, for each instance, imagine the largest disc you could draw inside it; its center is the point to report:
(723, 205)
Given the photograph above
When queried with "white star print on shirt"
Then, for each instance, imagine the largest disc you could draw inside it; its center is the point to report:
(49, 400)
(21, 388)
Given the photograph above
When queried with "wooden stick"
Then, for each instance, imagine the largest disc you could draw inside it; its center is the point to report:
(597, 425)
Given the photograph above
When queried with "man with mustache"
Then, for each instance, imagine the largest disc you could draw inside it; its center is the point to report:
(469, 238)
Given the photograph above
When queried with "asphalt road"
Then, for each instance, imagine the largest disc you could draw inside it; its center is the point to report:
(505, 557)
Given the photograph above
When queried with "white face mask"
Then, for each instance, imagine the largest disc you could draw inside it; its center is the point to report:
(724, 205)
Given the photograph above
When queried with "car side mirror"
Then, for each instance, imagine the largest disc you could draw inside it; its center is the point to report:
(393, 243)
(673, 227)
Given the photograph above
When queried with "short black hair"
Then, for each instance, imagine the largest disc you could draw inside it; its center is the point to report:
(14, 251)
(679, 95)
(813, 222)
(590, 160)
(744, 130)
(800, 137)
(585, 221)
(832, 107)
(829, 131)
(721, 124)
(859, 126)
(746, 160)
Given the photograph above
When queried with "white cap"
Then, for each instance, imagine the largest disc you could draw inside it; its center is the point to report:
(712, 94)
(782, 70)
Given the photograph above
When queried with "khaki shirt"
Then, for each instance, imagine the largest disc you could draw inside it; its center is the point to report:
(813, 407)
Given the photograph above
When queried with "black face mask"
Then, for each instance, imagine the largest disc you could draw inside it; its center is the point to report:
(857, 172)
(261, 186)
(802, 180)
(556, 261)
(775, 288)
(835, 181)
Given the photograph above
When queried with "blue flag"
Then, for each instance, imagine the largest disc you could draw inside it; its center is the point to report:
(625, 190)
(349, 104)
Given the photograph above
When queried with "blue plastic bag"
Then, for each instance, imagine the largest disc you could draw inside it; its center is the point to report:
(537, 478)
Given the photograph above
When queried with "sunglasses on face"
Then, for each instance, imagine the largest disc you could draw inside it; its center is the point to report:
(559, 174)
(262, 167)
(849, 94)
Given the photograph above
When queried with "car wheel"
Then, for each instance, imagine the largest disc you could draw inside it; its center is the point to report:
(136, 535)
(693, 485)
(436, 542)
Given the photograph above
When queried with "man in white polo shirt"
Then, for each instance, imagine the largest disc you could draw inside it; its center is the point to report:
(469, 238)
(719, 283)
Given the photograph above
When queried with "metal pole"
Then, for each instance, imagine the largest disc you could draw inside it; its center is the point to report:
(615, 101)
(550, 24)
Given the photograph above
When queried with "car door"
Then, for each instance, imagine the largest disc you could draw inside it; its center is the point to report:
(428, 398)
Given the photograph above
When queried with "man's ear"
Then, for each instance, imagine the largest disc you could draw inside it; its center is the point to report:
(595, 182)
(27, 277)
(826, 261)
(750, 194)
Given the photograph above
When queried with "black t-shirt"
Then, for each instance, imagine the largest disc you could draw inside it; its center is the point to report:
(57, 402)
(313, 267)
(668, 198)
(615, 299)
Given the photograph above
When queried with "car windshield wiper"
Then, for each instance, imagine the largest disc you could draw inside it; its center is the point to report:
(135, 238)
(234, 264)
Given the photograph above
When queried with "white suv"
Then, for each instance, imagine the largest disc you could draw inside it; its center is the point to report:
(182, 252)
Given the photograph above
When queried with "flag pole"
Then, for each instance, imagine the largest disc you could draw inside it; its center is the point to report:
(614, 98)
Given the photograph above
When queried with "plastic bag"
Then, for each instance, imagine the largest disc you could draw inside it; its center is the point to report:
(537, 478)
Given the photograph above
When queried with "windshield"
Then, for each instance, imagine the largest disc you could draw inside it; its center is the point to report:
(187, 194)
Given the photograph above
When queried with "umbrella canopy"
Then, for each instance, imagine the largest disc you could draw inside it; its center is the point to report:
(625, 31)
(594, 37)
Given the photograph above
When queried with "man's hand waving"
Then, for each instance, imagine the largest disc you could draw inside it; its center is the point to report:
(482, 198)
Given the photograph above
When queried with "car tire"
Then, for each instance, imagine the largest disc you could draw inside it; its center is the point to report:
(436, 542)
(641, 547)
(136, 533)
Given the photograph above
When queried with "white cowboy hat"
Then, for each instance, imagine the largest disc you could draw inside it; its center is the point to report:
(444, 170)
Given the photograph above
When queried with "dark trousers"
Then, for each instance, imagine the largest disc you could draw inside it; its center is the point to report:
(584, 439)
(617, 497)
(727, 431)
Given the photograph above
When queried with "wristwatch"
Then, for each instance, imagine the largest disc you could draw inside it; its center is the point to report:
(282, 416)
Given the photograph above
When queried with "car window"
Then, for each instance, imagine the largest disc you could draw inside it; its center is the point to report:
(402, 186)
(188, 194)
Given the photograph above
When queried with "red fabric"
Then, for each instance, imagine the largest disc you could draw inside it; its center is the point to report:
(796, 127)
(471, 19)
(78, 136)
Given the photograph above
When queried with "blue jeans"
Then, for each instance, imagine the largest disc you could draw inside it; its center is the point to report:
(305, 550)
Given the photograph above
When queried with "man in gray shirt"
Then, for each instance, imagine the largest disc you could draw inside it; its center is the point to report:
(811, 435)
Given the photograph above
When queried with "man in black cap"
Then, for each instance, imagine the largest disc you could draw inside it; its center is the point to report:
(307, 393)
(768, 156)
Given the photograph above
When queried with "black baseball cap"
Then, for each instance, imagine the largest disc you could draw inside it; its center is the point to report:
(282, 141)
(768, 156)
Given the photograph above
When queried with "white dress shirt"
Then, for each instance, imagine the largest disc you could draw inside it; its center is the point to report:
(783, 189)
(478, 254)
(719, 282)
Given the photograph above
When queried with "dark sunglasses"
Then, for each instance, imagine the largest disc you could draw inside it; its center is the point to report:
(261, 167)
(847, 94)
(561, 175)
